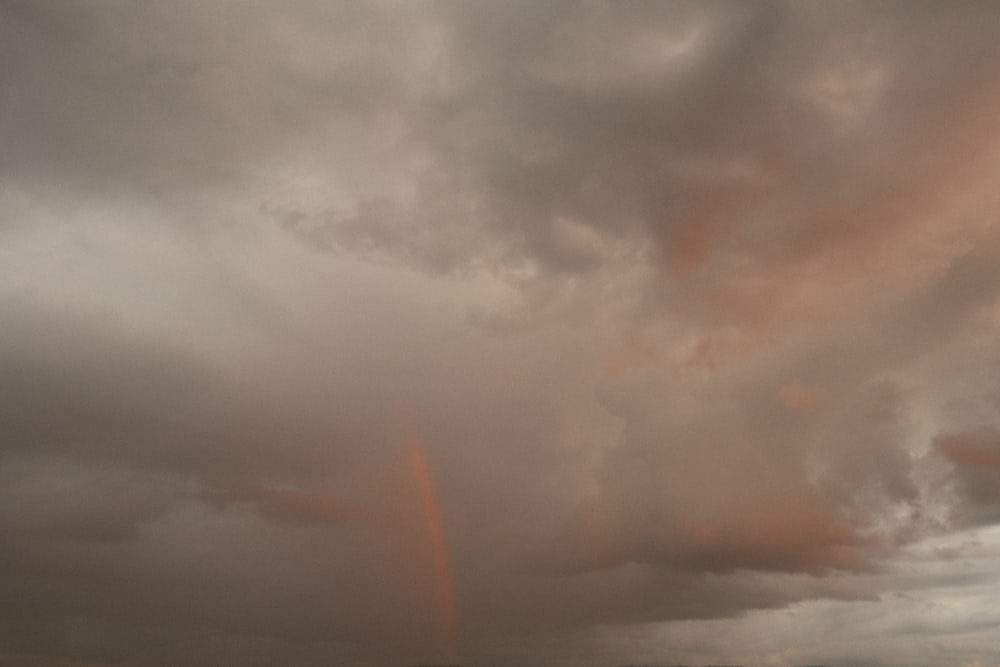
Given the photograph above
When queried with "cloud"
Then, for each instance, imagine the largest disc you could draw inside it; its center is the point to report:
(976, 466)
(137, 101)
(283, 505)
(692, 307)
(975, 450)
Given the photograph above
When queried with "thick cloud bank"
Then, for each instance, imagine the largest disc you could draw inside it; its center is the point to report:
(500, 333)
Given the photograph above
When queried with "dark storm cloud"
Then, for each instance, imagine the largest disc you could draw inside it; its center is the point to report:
(706, 134)
(62, 501)
(688, 310)
(134, 99)
(80, 384)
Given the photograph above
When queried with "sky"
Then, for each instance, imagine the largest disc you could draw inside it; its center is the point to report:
(509, 334)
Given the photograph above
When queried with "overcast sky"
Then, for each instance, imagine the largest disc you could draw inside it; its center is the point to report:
(527, 334)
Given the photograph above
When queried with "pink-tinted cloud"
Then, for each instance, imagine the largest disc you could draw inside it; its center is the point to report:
(693, 307)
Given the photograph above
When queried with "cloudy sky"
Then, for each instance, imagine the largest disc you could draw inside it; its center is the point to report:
(528, 334)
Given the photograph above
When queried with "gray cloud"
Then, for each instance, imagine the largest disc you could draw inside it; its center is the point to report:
(974, 455)
(536, 332)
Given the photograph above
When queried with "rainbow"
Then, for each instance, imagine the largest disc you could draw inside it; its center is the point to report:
(446, 604)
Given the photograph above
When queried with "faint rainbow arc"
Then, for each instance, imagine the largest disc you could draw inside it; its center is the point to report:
(445, 585)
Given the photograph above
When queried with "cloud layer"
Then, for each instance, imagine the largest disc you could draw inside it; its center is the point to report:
(562, 333)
